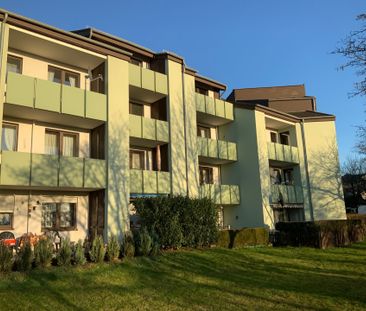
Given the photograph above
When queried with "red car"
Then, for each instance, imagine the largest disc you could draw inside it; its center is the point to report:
(8, 238)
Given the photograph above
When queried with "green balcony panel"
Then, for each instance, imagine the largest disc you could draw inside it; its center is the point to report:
(20, 90)
(44, 170)
(135, 124)
(161, 83)
(135, 75)
(210, 105)
(136, 181)
(235, 194)
(147, 79)
(271, 151)
(202, 146)
(96, 106)
(150, 182)
(229, 111)
(71, 172)
(95, 173)
(73, 101)
(15, 168)
(149, 128)
(200, 102)
(220, 108)
(163, 182)
(162, 131)
(212, 148)
(284, 153)
(232, 151)
(288, 194)
(48, 95)
(223, 149)
(225, 194)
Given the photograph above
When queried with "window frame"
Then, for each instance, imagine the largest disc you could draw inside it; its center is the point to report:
(10, 124)
(137, 104)
(211, 173)
(17, 58)
(287, 135)
(273, 134)
(203, 127)
(63, 72)
(58, 217)
(60, 135)
(11, 226)
(142, 159)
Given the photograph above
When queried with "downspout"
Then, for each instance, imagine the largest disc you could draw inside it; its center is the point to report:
(302, 121)
(185, 125)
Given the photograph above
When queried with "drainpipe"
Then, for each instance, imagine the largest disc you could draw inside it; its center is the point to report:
(185, 125)
(307, 168)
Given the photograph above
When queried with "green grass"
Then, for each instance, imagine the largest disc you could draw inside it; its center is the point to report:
(215, 279)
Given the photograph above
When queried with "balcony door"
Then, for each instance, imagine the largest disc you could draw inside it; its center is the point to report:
(96, 213)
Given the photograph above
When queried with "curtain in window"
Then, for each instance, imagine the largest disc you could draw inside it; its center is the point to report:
(9, 135)
(51, 145)
(136, 160)
(70, 80)
(149, 161)
(68, 145)
(49, 215)
(66, 215)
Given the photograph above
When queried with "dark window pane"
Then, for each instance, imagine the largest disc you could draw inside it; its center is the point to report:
(71, 79)
(273, 137)
(14, 64)
(54, 75)
(136, 109)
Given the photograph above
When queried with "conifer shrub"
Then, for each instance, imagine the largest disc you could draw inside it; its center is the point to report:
(64, 254)
(43, 251)
(113, 248)
(79, 253)
(128, 245)
(97, 250)
(144, 242)
(6, 258)
(24, 258)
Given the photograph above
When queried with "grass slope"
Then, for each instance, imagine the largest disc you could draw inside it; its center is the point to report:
(215, 279)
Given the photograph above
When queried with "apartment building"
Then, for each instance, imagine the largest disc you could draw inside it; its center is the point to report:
(91, 121)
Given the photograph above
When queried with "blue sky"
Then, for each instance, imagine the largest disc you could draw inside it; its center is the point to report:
(240, 43)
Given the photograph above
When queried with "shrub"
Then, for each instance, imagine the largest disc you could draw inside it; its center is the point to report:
(243, 237)
(64, 253)
(6, 258)
(144, 242)
(128, 245)
(43, 251)
(113, 248)
(179, 221)
(79, 253)
(155, 246)
(24, 257)
(97, 250)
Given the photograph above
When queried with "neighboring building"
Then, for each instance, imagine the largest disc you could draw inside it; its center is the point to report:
(91, 121)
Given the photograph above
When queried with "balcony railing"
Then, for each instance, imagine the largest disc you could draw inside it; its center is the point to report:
(46, 95)
(284, 153)
(214, 107)
(286, 194)
(41, 170)
(151, 129)
(148, 79)
(221, 194)
(218, 149)
(149, 182)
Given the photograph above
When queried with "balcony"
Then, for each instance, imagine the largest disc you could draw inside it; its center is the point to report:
(221, 194)
(54, 97)
(286, 194)
(149, 80)
(216, 151)
(283, 153)
(213, 111)
(149, 182)
(41, 170)
(149, 129)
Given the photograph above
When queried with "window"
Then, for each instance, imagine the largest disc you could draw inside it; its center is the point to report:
(14, 64)
(62, 76)
(137, 109)
(6, 221)
(203, 131)
(285, 138)
(273, 137)
(58, 216)
(61, 143)
(137, 159)
(276, 177)
(201, 91)
(288, 176)
(206, 175)
(9, 139)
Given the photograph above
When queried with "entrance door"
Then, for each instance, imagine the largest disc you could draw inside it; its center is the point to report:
(96, 213)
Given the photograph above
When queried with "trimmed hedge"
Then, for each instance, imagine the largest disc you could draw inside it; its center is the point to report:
(179, 221)
(243, 237)
(320, 234)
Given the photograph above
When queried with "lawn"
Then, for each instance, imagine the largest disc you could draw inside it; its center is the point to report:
(215, 279)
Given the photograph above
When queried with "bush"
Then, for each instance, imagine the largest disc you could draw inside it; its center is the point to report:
(113, 248)
(24, 257)
(6, 258)
(179, 221)
(79, 253)
(155, 246)
(43, 251)
(128, 245)
(143, 242)
(64, 253)
(243, 237)
(97, 250)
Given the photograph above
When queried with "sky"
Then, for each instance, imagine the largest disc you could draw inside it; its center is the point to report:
(240, 43)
